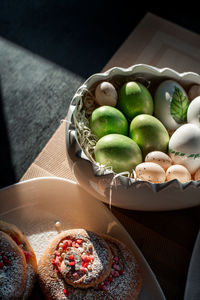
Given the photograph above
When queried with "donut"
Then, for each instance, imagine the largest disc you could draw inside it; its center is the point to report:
(120, 276)
(18, 265)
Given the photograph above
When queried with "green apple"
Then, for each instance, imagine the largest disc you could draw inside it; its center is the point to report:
(118, 151)
(135, 99)
(107, 119)
(149, 133)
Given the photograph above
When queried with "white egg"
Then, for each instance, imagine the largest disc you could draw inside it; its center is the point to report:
(178, 172)
(149, 171)
(106, 94)
(159, 158)
(163, 99)
(197, 175)
(193, 112)
(184, 147)
(194, 91)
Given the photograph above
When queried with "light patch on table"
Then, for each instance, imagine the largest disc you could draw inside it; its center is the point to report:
(179, 59)
(174, 50)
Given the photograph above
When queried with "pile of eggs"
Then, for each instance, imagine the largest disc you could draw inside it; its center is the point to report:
(175, 115)
(158, 168)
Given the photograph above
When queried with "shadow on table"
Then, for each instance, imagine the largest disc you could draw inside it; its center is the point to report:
(7, 174)
(170, 236)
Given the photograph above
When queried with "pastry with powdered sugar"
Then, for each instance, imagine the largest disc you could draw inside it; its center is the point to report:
(80, 264)
(18, 265)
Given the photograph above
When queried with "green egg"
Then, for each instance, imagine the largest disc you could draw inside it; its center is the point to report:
(106, 120)
(135, 99)
(149, 133)
(119, 152)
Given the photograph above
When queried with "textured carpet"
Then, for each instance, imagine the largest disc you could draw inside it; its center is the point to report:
(47, 49)
(35, 96)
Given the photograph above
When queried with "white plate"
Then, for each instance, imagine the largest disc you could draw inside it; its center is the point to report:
(192, 288)
(35, 205)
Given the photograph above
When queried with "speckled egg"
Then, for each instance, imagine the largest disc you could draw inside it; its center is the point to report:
(170, 104)
(149, 171)
(193, 112)
(178, 172)
(159, 158)
(184, 147)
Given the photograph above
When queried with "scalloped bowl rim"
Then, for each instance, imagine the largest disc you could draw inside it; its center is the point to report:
(145, 67)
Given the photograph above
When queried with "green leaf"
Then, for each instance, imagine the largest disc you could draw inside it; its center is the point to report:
(178, 106)
(182, 154)
(191, 155)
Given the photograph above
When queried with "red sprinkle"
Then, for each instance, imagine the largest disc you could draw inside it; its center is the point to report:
(88, 259)
(71, 257)
(27, 254)
(121, 271)
(79, 241)
(6, 261)
(72, 263)
(64, 246)
(110, 278)
(84, 264)
(1, 265)
(56, 261)
(83, 257)
(100, 286)
(66, 292)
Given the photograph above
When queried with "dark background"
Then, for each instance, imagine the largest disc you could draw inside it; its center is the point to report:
(47, 49)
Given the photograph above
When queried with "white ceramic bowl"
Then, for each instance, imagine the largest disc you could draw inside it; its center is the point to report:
(126, 193)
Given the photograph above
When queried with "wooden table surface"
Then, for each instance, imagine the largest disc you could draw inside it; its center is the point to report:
(166, 239)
